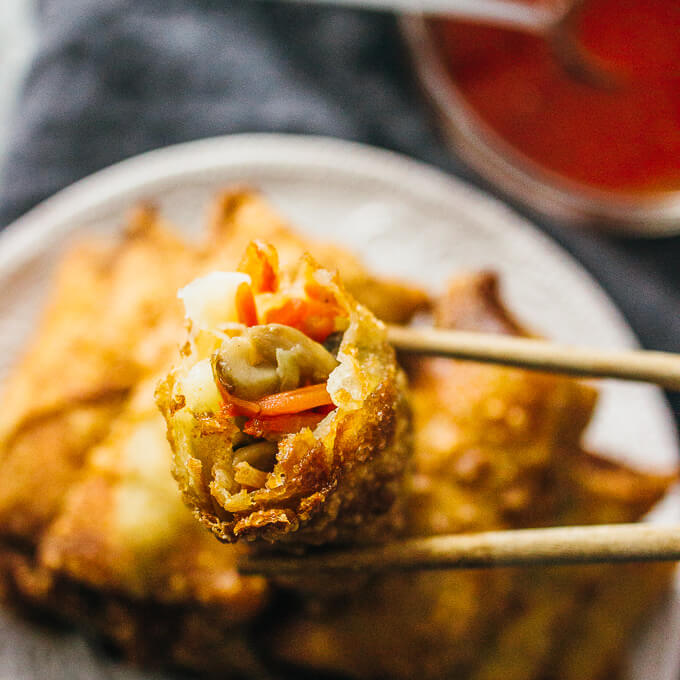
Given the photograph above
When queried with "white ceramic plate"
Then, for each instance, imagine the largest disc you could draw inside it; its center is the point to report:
(404, 218)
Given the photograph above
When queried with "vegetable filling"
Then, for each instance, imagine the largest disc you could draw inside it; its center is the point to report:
(271, 369)
(273, 382)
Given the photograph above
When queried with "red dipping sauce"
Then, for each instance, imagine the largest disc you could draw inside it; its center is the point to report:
(625, 139)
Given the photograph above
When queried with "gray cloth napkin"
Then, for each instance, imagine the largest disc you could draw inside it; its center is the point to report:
(112, 79)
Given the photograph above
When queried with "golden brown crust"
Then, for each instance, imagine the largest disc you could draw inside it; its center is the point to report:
(123, 527)
(486, 436)
(125, 558)
(472, 302)
(612, 604)
(43, 457)
(615, 485)
(112, 316)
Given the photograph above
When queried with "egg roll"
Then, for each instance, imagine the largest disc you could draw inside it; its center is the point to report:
(287, 414)
(94, 531)
(111, 318)
(105, 324)
(197, 637)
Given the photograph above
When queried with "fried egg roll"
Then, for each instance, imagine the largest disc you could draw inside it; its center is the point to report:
(110, 318)
(287, 415)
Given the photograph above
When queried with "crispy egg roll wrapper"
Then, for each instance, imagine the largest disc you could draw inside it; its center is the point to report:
(340, 481)
(494, 448)
(486, 436)
(103, 327)
(581, 619)
(105, 330)
(124, 527)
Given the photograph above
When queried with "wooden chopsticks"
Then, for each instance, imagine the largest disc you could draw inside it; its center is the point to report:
(521, 547)
(660, 368)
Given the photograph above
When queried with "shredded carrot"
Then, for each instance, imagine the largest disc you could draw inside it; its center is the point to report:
(315, 291)
(284, 424)
(283, 403)
(314, 318)
(261, 263)
(318, 328)
(234, 406)
(245, 305)
(295, 401)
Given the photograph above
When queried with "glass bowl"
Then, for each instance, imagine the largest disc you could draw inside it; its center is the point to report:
(540, 190)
